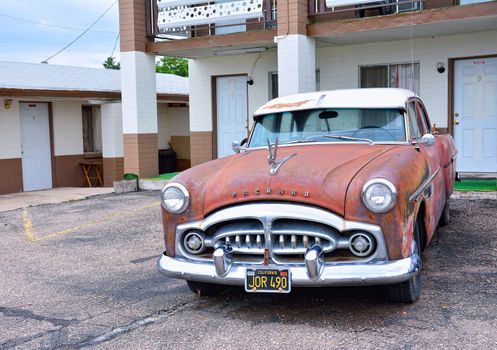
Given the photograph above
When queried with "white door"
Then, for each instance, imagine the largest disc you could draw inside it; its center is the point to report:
(231, 112)
(35, 139)
(475, 114)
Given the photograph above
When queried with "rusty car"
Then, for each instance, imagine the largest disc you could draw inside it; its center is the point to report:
(331, 188)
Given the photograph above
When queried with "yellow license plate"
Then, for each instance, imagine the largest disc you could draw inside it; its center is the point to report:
(268, 281)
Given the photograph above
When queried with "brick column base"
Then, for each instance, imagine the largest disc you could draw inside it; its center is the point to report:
(141, 154)
(201, 147)
(113, 170)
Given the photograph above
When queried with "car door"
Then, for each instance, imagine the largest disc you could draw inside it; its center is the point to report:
(436, 194)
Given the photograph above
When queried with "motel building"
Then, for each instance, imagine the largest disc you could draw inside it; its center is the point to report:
(244, 52)
(54, 119)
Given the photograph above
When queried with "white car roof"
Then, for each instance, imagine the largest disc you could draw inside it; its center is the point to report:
(350, 98)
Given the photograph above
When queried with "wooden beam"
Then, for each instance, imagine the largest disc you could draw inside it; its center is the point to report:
(436, 15)
(211, 42)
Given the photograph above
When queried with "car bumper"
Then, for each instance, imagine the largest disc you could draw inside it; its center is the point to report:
(356, 274)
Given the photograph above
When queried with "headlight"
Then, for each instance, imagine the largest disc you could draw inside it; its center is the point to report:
(175, 198)
(379, 195)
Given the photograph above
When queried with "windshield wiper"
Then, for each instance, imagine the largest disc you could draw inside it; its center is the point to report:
(348, 138)
(298, 141)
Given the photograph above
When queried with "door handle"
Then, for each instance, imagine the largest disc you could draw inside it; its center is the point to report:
(456, 122)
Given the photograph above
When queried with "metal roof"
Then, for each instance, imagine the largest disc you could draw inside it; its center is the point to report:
(349, 98)
(37, 76)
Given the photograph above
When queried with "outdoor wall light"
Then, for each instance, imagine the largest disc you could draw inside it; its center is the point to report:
(440, 67)
(7, 103)
(250, 81)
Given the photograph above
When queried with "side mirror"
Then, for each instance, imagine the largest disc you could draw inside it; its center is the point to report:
(428, 140)
(237, 146)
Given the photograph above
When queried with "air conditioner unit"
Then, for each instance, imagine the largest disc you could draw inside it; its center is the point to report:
(409, 6)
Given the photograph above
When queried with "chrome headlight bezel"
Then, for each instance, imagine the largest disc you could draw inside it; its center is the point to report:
(174, 186)
(379, 182)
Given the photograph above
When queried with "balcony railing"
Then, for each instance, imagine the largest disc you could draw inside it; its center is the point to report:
(319, 10)
(169, 20)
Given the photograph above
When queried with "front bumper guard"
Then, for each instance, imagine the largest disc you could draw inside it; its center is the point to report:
(343, 274)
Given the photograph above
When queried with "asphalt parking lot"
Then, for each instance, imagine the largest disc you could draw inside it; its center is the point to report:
(82, 274)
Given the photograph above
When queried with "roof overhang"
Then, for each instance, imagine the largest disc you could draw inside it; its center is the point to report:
(16, 92)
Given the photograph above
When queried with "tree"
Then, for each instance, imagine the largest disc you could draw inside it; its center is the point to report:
(172, 65)
(110, 63)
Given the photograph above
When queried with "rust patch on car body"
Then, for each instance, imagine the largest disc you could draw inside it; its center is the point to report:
(287, 105)
(329, 176)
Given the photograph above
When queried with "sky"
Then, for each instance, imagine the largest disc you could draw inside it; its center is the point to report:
(38, 35)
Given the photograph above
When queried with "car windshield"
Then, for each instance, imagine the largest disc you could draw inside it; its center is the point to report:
(330, 125)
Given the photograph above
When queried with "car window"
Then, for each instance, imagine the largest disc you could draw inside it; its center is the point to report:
(316, 125)
(413, 121)
(423, 117)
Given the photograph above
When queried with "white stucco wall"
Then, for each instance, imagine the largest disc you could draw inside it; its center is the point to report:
(339, 66)
(139, 97)
(296, 64)
(201, 70)
(339, 69)
(112, 130)
(172, 121)
(67, 127)
(10, 131)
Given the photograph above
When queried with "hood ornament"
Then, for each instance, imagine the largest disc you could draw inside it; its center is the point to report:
(271, 159)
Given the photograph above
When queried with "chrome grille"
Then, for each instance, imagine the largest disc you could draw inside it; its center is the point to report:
(295, 236)
(285, 229)
(245, 236)
(288, 237)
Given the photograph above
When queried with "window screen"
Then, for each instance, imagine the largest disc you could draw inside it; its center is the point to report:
(405, 76)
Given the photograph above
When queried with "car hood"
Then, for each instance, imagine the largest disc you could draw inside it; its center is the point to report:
(316, 175)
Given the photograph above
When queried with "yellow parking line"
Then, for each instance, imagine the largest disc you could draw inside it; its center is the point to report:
(28, 226)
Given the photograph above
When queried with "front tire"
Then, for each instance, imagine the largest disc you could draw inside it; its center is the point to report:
(408, 291)
(207, 289)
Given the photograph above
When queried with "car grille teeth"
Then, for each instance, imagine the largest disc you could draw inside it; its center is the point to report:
(294, 241)
(259, 241)
(287, 237)
(305, 241)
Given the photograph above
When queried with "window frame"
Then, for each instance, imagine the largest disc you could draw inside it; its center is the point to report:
(389, 67)
(423, 115)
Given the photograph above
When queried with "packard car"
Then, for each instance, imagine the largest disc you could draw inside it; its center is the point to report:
(331, 188)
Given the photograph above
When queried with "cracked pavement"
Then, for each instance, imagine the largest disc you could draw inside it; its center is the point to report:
(87, 279)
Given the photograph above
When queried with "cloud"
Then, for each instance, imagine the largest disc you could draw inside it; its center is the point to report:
(33, 42)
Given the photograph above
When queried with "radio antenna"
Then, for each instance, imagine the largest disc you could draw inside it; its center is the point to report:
(411, 43)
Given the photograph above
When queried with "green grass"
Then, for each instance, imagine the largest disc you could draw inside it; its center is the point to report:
(162, 177)
(479, 185)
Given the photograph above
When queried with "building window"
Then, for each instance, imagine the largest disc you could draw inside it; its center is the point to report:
(405, 76)
(92, 136)
(273, 83)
